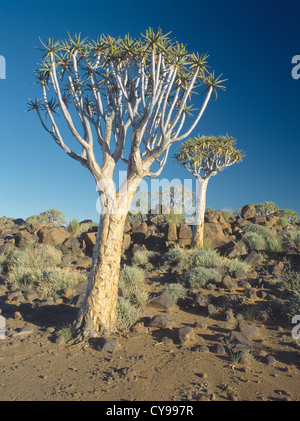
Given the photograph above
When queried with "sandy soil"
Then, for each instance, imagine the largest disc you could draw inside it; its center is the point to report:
(33, 366)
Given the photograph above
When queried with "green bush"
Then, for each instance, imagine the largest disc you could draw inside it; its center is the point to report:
(175, 255)
(237, 264)
(205, 258)
(38, 257)
(131, 277)
(178, 218)
(141, 257)
(38, 268)
(195, 257)
(199, 277)
(140, 297)
(227, 214)
(283, 221)
(257, 229)
(73, 227)
(255, 241)
(175, 290)
(292, 234)
(273, 244)
(127, 314)
(291, 282)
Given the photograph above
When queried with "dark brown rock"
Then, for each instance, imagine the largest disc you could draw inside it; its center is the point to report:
(185, 232)
(248, 212)
(53, 235)
(163, 300)
(161, 321)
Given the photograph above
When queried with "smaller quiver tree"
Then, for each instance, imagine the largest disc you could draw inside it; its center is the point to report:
(205, 157)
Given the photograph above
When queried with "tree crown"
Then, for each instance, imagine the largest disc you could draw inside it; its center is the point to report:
(205, 156)
(113, 84)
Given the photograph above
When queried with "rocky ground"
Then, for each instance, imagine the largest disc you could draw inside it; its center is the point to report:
(227, 343)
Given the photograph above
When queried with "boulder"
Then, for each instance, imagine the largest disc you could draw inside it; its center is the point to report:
(259, 220)
(248, 212)
(6, 248)
(127, 226)
(90, 239)
(53, 235)
(24, 238)
(126, 241)
(186, 333)
(171, 231)
(139, 227)
(161, 321)
(214, 233)
(248, 330)
(253, 258)
(163, 300)
(228, 283)
(185, 232)
(73, 244)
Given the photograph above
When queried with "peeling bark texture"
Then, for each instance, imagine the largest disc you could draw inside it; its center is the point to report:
(98, 312)
(198, 228)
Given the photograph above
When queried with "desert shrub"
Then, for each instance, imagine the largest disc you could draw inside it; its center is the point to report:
(273, 244)
(127, 314)
(48, 281)
(205, 258)
(67, 331)
(292, 307)
(237, 264)
(86, 226)
(199, 277)
(290, 280)
(2, 263)
(292, 234)
(140, 297)
(175, 255)
(178, 218)
(195, 257)
(38, 268)
(131, 277)
(38, 257)
(73, 227)
(255, 241)
(175, 290)
(227, 214)
(141, 257)
(283, 221)
(257, 229)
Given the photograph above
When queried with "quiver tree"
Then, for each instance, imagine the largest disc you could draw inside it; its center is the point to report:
(122, 99)
(205, 157)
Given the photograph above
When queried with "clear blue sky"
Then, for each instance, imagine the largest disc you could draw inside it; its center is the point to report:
(251, 42)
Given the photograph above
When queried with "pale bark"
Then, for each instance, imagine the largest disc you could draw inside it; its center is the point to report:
(97, 315)
(198, 228)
